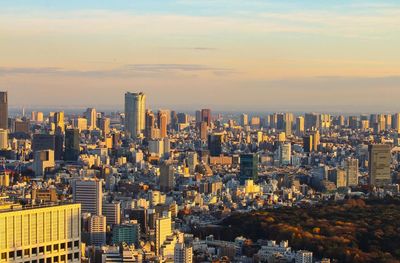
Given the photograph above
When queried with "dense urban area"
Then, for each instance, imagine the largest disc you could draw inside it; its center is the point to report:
(146, 185)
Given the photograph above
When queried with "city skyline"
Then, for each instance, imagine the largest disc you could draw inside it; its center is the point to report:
(297, 55)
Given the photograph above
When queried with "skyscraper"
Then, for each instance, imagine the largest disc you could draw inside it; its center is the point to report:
(288, 123)
(72, 148)
(97, 230)
(89, 193)
(379, 164)
(135, 107)
(206, 116)
(149, 124)
(300, 126)
(3, 110)
(91, 116)
(244, 120)
(38, 232)
(59, 122)
(162, 123)
(166, 177)
(215, 144)
(351, 169)
(248, 167)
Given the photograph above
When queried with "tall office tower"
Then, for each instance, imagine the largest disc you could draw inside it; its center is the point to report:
(308, 144)
(59, 122)
(288, 123)
(97, 229)
(244, 120)
(183, 253)
(203, 130)
(215, 141)
(3, 110)
(167, 181)
(105, 126)
(206, 116)
(182, 118)
(338, 177)
(365, 125)
(248, 167)
(273, 123)
(285, 153)
(163, 230)
(149, 124)
(89, 193)
(162, 123)
(174, 120)
(379, 164)
(388, 119)
(341, 121)
(381, 123)
(72, 148)
(280, 121)
(3, 139)
(353, 122)
(255, 122)
(198, 116)
(43, 160)
(135, 108)
(300, 126)
(192, 161)
(396, 122)
(91, 116)
(351, 169)
(112, 212)
(80, 123)
(325, 121)
(316, 140)
(39, 116)
(311, 121)
(49, 233)
(33, 116)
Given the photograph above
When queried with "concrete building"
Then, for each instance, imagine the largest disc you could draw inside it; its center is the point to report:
(379, 164)
(89, 193)
(43, 160)
(41, 234)
(135, 106)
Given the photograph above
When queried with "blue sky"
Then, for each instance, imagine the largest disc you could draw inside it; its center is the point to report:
(251, 54)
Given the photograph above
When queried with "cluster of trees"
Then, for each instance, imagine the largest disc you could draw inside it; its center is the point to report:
(354, 230)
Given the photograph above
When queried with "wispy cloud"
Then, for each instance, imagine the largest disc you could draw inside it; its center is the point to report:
(123, 71)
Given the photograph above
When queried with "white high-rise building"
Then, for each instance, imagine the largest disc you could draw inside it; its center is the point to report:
(135, 107)
(91, 116)
(40, 233)
(89, 193)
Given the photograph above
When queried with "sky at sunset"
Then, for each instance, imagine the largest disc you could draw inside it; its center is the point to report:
(224, 54)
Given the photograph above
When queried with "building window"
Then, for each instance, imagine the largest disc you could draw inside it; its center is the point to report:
(41, 250)
(19, 253)
(34, 251)
(55, 259)
(11, 255)
(62, 245)
(70, 256)
(4, 255)
(62, 257)
(69, 245)
(48, 248)
(76, 255)
(76, 244)
(55, 247)
(48, 260)
(26, 252)
(41, 260)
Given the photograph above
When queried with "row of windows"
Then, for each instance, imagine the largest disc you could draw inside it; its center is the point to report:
(40, 250)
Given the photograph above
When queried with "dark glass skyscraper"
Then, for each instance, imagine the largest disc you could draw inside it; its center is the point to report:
(248, 167)
(72, 140)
